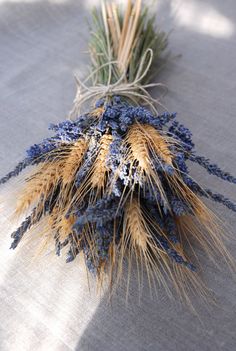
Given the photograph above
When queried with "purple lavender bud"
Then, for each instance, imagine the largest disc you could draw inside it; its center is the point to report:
(212, 168)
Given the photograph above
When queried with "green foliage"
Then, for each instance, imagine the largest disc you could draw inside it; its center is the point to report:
(102, 53)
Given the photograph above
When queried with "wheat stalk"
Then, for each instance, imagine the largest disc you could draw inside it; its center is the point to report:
(116, 19)
(100, 168)
(74, 160)
(129, 35)
(139, 242)
(134, 241)
(112, 27)
(145, 139)
(125, 26)
(64, 225)
(138, 148)
(135, 226)
(39, 185)
(159, 144)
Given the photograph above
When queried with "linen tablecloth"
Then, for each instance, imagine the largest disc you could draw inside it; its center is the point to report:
(45, 304)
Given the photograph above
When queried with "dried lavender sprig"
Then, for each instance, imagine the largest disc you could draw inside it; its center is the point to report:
(34, 156)
(32, 219)
(35, 216)
(90, 157)
(212, 168)
(208, 193)
(171, 228)
(164, 118)
(74, 244)
(102, 212)
(59, 245)
(17, 170)
(221, 199)
(183, 134)
(71, 254)
(173, 254)
(179, 207)
(38, 150)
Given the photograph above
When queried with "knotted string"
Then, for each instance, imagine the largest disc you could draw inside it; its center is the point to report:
(135, 91)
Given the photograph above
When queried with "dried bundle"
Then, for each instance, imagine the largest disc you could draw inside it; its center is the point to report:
(114, 183)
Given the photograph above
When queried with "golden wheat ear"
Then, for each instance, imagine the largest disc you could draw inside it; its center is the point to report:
(100, 168)
(39, 186)
(73, 161)
(142, 150)
(60, 225)
(158, 144)
(138, 245)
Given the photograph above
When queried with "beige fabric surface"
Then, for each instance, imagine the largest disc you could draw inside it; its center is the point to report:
(45, 304)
